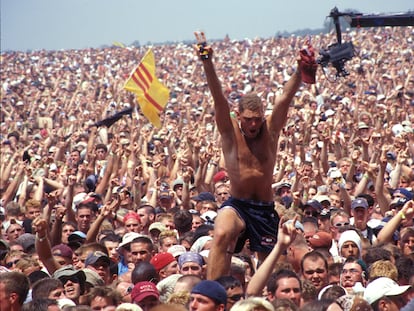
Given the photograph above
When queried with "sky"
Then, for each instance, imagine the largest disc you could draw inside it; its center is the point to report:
(79, 24)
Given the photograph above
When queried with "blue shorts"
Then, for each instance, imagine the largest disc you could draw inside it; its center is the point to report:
(261, 220)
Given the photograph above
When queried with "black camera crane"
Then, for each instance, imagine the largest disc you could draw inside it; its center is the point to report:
(338, 53)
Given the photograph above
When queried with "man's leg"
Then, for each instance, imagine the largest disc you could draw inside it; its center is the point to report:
(227, 227)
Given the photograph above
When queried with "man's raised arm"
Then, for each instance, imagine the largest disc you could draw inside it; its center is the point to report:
(221, 105)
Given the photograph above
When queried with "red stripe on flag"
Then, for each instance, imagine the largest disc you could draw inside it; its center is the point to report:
(153, 102)
(146, 72)
(138, 83)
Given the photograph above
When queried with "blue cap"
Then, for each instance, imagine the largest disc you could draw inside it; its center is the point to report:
(359, 202)
(204, 196)
(211, 289)
(405, 192)
(190, 257)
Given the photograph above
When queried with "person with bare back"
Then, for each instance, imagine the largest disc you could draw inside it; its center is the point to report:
(249, 144)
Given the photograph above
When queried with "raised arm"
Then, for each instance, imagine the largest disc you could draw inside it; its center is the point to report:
(286, 235)
(221, 105)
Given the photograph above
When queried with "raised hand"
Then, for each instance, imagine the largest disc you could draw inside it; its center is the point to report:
(204, 51)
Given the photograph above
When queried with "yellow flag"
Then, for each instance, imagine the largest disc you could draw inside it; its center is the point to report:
(152, 95)
(118, 44)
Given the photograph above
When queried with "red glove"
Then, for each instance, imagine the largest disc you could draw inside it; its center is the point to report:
(308, 65)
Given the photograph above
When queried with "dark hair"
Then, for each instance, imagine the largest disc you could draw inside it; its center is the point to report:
(106, 292)
(317, 305)
(183, 221)
(43, 287)
(250, 101)
(405, 267)
(333, 292)
(375, 253)
(101, 146)
(313, 256)
(39, 304)
(15, 282)
(229, 282)
(369, 198)
(273, 282)
(334, 269)
(144, 271)
(111, 237)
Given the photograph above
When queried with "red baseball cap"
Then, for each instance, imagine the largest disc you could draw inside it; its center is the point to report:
(160, 260)
(143, 290)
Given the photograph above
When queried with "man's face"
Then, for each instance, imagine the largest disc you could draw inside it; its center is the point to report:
(171, 268)
(349, 249)
(251, 122)
(6, 298)
(361, 217)
(99, 303)
(32, 212)
(66, 232)
(289, 288)
(14, 231)
(100, 154)
(351, 273)
(167, 243)
(140, 252)
(148, 303)
(112, 250)
(191, 268)
(102, 268)
(75, 157)
(146, 219)
(71, 287)
(234, 294)
(407, 245)
(338, 221)
(133, 225)
(83, 218)
(202, 303)
(315, 272)
(196, 222)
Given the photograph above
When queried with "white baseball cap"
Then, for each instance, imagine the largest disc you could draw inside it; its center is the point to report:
(383, 287)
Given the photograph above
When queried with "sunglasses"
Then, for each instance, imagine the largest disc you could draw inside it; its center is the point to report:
(11, 263)
(236, 297)
(310, 213)
(72, 278)
(341, 224)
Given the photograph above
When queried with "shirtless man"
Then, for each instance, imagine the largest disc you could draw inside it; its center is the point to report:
(249, 145)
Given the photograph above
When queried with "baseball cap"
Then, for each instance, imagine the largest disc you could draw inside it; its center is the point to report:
(128, 238)
(132, 215)
(404, 192)
(204, 196)
(209, 216)
(62, 250)
(161, 260)
(320, 239)
(92, 277)
(143, 290)
(298, 224)
(27, 241)
(381, 287)
(211, 289)
(219, 176)
(76, 236)
(95, 256)
(314, 204)
(157, 226)
(359, 202)
(177, 250)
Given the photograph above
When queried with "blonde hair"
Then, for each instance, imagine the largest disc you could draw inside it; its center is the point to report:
(253, 304)
(381, 268)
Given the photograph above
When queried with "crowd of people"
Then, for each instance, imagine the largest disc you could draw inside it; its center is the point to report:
(100, 210)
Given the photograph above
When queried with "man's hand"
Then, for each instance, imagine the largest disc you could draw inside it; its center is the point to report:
(204, 51)
(307, 64)
(39, 226)
(287, 232)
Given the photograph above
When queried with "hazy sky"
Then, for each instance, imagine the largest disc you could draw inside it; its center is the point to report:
(77, 24)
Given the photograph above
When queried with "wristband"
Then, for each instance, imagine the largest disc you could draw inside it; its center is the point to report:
(401, 215)
(40, 239)
(202, 51)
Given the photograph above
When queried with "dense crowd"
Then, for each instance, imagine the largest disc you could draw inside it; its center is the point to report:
(100, 210)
